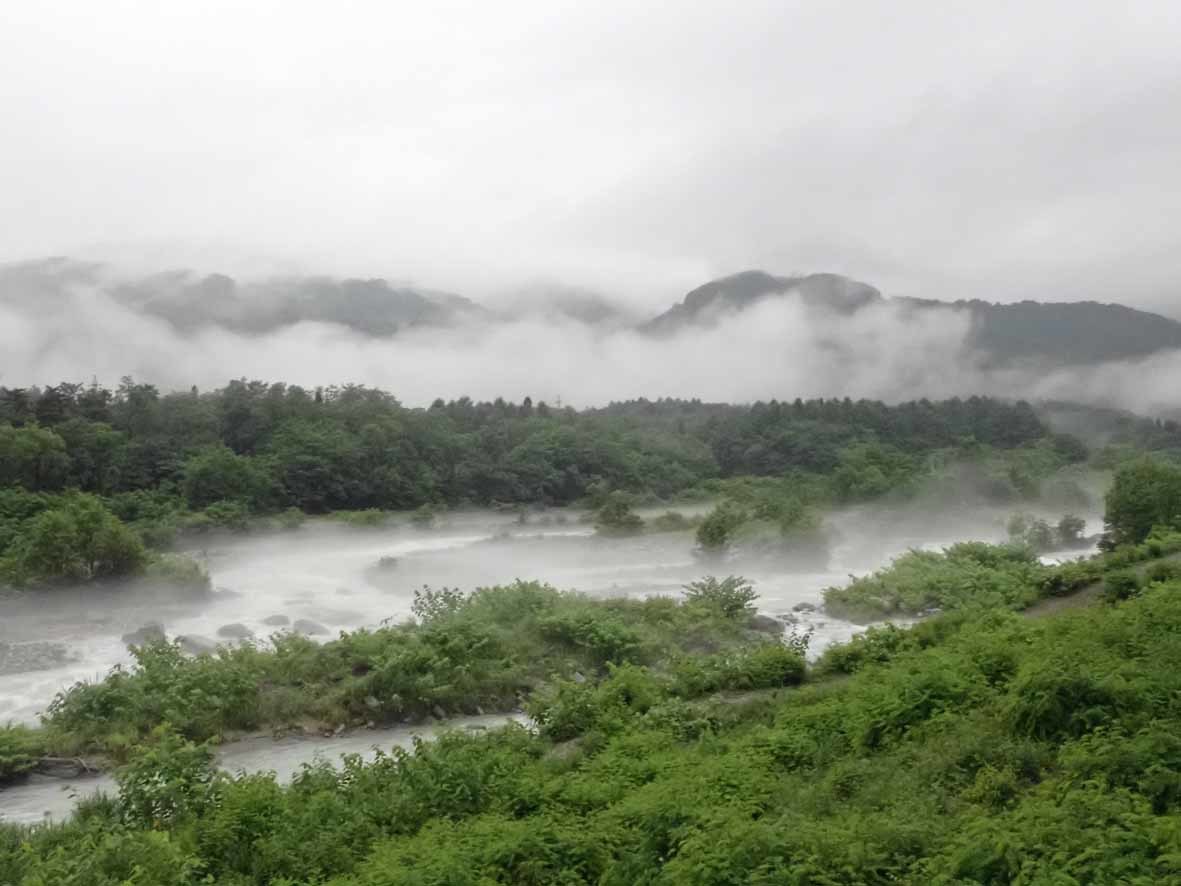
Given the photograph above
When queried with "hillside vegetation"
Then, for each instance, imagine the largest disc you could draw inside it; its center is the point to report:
(976, 747)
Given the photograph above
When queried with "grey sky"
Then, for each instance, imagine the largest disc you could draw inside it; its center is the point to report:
(945, 149)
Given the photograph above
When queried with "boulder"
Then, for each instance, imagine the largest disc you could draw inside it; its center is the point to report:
(765, 624)
(191, 644)
(152, 632)
(235, 631)
(276, 620)
(307, 626)
(804, 607)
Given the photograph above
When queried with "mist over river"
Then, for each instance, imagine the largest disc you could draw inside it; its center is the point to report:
(328, 574)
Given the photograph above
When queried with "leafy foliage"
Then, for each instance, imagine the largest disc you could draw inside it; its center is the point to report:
(78, 539)
(1144, 494)
(267, 447)
(484, 650)
(616, 516)
(732, 596)
(966, 574)
(977, 747)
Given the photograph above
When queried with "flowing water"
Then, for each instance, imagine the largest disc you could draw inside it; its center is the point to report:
(335, 576)
(43, 797)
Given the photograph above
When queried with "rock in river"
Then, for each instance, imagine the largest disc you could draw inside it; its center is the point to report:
(235, 631)
(152, 632)
(276, 621)
(765, 624)
(191, 644)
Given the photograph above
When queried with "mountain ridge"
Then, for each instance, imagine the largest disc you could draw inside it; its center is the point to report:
(1064, 333)
(999, 335)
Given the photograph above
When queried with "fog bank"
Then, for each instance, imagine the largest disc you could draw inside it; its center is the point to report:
(774, 349)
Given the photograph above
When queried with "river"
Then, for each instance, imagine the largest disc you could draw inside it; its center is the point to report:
(328, 573)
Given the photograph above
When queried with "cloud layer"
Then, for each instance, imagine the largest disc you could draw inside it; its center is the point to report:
(940, 149)
(775, 349)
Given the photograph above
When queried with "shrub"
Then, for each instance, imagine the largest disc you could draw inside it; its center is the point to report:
(78, 540)
(179, 570)
(716, 529)
(1121, 584)
(616, 517)
(732, 596)
(20, 749)
(168, 780)
(671, 521)
(430, 605)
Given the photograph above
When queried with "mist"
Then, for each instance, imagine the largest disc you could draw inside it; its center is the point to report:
(777, 348)
(942, 150)
(344, 578)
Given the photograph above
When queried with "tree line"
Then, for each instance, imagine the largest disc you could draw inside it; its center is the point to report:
(350, 447)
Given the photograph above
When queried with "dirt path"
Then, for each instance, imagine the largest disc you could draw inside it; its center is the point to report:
(1084, 596)
(1053, 605)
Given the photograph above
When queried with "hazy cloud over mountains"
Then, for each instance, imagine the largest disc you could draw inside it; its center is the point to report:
(938, 149)
(819, 336)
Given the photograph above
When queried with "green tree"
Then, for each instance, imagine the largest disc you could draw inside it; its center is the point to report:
(732, 596)
(1144, 493)
(1070, 530)
(217, 473)
(32, 457)
(718, 526)
(80, 540)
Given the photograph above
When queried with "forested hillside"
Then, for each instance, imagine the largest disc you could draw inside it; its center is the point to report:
(273, 445)
(1050, 333)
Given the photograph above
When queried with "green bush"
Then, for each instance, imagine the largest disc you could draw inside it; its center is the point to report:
(178, 570)
(76, 540)
(671, 521)
(715, 531)
(170, 779)
(732, 596)
(964, 575)
(1121, 584)
(20, 750)
(616, 517)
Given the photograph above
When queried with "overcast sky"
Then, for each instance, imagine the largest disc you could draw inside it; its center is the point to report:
(944, 149)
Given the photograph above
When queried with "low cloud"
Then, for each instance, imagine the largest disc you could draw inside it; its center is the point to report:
(775, 349)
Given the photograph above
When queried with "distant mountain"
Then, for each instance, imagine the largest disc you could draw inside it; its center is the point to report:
(1064, 333)
(1027, 333)
(1057, 333)
(190, 302)
(709, 303)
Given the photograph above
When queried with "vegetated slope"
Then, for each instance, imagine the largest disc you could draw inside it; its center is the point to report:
(1061, 333)
(717, 298)
(1052, 333)
(1106, 427)
(979, 747)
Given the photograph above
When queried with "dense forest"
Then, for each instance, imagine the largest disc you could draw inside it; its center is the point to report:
(86, 470)
(273, 445)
